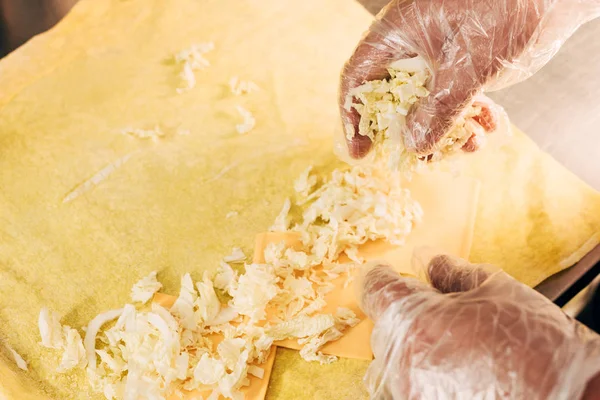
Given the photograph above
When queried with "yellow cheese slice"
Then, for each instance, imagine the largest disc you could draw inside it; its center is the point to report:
(257, 388)
(449, 207)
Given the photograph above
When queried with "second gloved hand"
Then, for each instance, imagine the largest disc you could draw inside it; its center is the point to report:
(473, 334)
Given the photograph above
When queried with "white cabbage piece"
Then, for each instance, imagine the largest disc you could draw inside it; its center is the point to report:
(302, 326)
(143, 290)
(273, 254)
(236, 256)
(169, 336)
(256, 371)
(188, 78)
(300, 260)
(314, 306)
(125, 322)
(295, 295)
(225, 316)
(231, 214)
(194, 55)
(310, 349)
(239, 87)
(248, 120)
(184, 306)
(166, 316)
(410, 65)
(74, 353)
(260, 342)
(281, 223)
(352, 253)
(208, 304)
(21, 363)
(225, 278)
(154, 133)
(299, 287)
(346, 317)
(304, 184)
(192, 59)
(254, 289)
(209, 370)
(182, 364)
(230, 350)
(231, 382)
(51, 330)
(89, 342)
(116, 364)
(314, 332)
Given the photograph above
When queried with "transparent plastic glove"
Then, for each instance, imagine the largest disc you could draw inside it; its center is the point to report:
(470, 47)
(473, 333)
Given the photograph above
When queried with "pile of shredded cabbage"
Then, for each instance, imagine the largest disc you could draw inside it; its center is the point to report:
(144, 350)
(192, 59)
(383, 106)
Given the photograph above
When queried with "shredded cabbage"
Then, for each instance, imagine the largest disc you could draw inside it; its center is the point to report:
(248, 120)
(357, 205)
(51, 330)
(192, 59)
(384, 104)
(254, 289)
(225, 277)
(154, 353)
(304, 183)
(154, 133)
(183, 308)
(256, 371)
(73, 353)
(281, 223)
(236, 256)
(209, 371)
(145, 288)
(21, 363)
(208, 304)
(239, 87)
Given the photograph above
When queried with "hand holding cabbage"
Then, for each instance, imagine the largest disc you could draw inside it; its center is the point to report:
(469, 46)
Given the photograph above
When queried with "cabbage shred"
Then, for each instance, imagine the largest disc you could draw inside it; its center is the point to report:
(192, 59)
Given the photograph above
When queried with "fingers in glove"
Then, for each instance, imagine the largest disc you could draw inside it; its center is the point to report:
(432, 117)
(369, 61)
(485, 123)
(381, 46)
(450, 275)
(382, 286)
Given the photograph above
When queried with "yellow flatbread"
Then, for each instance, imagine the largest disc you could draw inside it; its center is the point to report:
(86, 211)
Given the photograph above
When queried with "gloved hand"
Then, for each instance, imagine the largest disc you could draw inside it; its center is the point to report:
(470, 47)
(474, 333)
